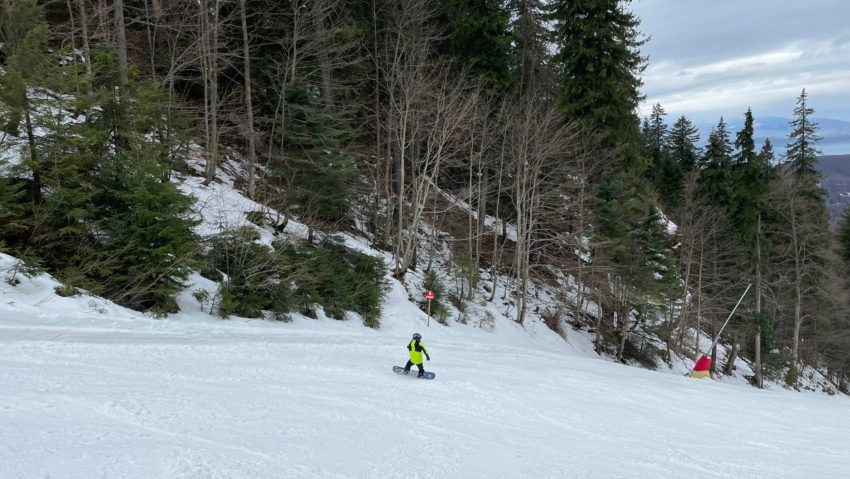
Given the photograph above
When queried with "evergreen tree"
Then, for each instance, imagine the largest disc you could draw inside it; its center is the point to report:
(119, 229)
(28, 65)
(716, 166)
(479, 36)
(748, 211)
(802, 234)
(750, 186)
(316, 170)
(801, 151)
(148, 248)
(744, 141)
(658, 268)
(766, 155)
(598, 59)
(683, 140)
(530, 36)
(636, 249)
(664, 172)
(98, 214)
(655, 134)
(670, 181)
(10, 214)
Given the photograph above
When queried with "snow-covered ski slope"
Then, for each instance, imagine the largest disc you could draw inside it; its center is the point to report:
(91, 390)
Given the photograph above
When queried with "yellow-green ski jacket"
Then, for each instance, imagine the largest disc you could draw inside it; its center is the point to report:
(416, 349)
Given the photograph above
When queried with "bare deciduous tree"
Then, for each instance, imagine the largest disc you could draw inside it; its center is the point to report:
(541, 156)
(802, 239)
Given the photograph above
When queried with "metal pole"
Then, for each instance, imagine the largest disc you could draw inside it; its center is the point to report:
(727, 319)
(428, 324)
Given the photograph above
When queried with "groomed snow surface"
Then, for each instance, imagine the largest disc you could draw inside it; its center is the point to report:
(91, 390)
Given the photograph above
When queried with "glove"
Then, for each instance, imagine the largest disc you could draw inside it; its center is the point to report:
(428, 358)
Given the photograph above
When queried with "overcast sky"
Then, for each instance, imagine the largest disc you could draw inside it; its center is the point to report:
(716, 57)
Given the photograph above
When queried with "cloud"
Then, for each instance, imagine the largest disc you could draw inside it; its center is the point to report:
(719, 57)
(765, 79)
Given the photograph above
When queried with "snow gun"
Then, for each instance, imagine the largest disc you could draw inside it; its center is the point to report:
(702, 369)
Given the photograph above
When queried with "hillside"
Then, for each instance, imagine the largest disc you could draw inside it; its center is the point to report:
(835, 133)
(836, 180)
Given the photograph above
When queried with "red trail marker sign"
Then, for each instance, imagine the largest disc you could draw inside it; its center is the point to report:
(429, 295)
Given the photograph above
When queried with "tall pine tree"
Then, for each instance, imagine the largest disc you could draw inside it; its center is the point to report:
(802, 230)
(716, 166)
(683, 144)
(664, 172)
(801, 151)
(655, 134)
(479, 37)
(530, 45)
(748, 210)
(745, 142)
(750, 185)
(598, 58)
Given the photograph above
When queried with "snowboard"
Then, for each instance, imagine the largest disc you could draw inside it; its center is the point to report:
(415, 373)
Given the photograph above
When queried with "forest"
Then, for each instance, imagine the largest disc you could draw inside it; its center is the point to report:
(365, 116)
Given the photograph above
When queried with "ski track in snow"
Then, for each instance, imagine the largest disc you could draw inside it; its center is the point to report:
(248, 400)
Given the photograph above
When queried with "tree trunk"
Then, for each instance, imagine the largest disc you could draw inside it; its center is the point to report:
(320, 12)
(35, 189)
(249, 104)
(121, 47)
(381, 182)
(211, 86)
(84, 24)
(73, 34)
(597, 343)
(713, 368)
(687, 257)
(798, 310)
(579, 235)
(497, 253)
(758, 365)
(150, 30)
(730, 361)
(482, 211)
(469, 219)
(623, 315)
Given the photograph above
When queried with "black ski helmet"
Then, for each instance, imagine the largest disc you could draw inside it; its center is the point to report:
(417, 336)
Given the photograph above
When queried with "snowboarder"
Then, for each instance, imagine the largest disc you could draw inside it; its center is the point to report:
(416, 349)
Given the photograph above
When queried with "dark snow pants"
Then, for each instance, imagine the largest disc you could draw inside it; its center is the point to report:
(410, 364)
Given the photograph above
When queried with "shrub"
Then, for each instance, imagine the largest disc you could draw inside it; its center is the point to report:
(256, 217)
(792, 376)
(98, 209)
(339, 279)
(295, 277)
(488, 322)
(66, 290)
(250, 273)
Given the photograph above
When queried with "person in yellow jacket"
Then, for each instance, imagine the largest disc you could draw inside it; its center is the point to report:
(416, 349)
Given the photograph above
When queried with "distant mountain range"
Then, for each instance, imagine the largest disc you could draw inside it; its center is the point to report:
(836, 181)
(835, 133)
